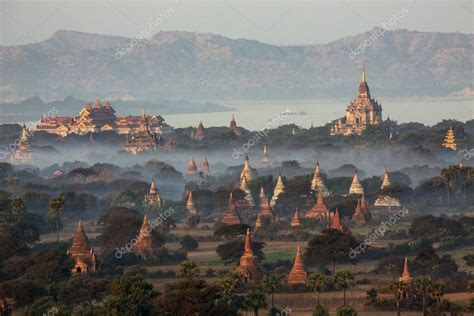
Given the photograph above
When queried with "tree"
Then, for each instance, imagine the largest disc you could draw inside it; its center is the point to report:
(469, 259)
(82, 289)
(130, 296)
(330, 247)
(346, 311)
(271, 283)
(437, 290)
(317, 282)
(18, 208)
(228, 287)
(320, 311)
(193, 221)
(255, 300)
(423, 286)
(343, 280)
(397, 288)
(56, 205)
(189, 243)
(230, 252)
(188, 269)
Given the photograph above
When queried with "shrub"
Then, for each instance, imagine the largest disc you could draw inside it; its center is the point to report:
(320, 311)
(346, 311)
(188, 243)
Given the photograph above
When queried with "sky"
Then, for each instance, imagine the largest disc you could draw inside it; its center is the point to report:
(281, 22)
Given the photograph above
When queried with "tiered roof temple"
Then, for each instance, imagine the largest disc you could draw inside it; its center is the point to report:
(319, 211)
(449, 140)
(231, 217)
(358, 217)
(244, 186)
(246, 170)
(142, 138)
(192, 169)
(360, 113)
(279, 189)
(356, 186)
(298, 273)
(153, 196)
(386, 200)
(336, 222)
(144, 246)
(83, 256)
(99, 118)
(317, 183)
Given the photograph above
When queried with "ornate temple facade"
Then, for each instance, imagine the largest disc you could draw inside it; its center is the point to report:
(298, 273)
(449, 140)
(317, 183)
(252, 272)
(23, 154)
(144, 246)
(99, 118)
(231, 217)
(141, 139)
(153, 197)
(360, 113)
(83, 256)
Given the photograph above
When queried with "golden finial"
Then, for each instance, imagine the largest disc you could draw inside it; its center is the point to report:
(363, 74)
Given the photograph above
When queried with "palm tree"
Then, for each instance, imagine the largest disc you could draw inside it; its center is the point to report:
(18, 208)
(56, 205)
(343, 280)
(437, 289)
(422, 286)
(255, 300)
(397, 288)
(317, 282)
(271, 283)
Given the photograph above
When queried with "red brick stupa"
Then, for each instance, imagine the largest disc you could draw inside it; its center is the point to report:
(192, 168)
(206, 172)
(231, 217)
(249, 267)
(319, 211)
(336, 222)
(298, 274)
(190, 204)
(295, 222)
(233, 127)
(358, 217)
(199, 135)
(143, 247)
(83, 256)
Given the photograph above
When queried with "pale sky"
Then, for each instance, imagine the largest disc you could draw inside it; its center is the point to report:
(276, 22)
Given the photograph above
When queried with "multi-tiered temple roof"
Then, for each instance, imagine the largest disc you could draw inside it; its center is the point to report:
(319, 211)
(449, 140)
(295, 221)
(233, 127)
(246, 170)
(153, 196)
(200, 134)
(83, 256)
(360, 113)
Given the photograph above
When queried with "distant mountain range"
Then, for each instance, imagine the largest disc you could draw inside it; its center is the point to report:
(193, 66)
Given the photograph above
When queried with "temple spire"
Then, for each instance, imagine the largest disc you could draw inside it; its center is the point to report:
(298, 274)
(362, 79)
(248, 244)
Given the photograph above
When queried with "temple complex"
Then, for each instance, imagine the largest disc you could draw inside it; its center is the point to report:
(279, 189)
(317, 183)
(190, 204)
(265, 158)
(449, 140)
(319, 211)
(386, 200)
(200, 134)
(298, 274)
(360, 113)
(23, 153)
(192, 169)
(206, 172)
(83, 256)
(144, 246)
(246, 171)
(358, 217)
(336, 222)
(153, 196)
(356, 186)
(231, 217)
(141, 139)
(233, 127)
(295, 221)
(244, 186)
(100, 118)
(249, 267)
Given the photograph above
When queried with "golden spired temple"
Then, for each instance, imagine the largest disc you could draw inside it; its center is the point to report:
(317, 183)
(83, 256)
(356, 186)
(246, 171)
(279, 189)
(190, 204)
(449, 140)
(360, 113)
(23, 154)
(386, 200)
(249, 267)
(298, 274)
(153, 196)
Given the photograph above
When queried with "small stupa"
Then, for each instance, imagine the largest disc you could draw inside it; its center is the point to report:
(192, 169)
(262, 194)
(319, 211)
(266, 209)
(231, 217)
(153, 196)
(200, 133)
(295, 222)
(279, 189)
(336, 222)
(356, 186)
(249, 267)
(386, 200)
(246, 171)
(405, 277)
(298, 274)
(23, 153)
(358, 217)
(233, 127)
(206, 172)
(265, 158)
(317, 183)
(190, 204)
(244, 186)
(143, 247)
